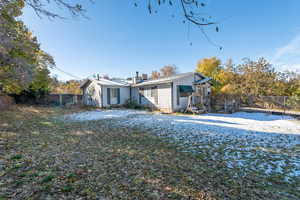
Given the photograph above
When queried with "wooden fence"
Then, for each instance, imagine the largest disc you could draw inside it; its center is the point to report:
(273, 102)
(225, 103)
(233, 103)
(51, 99)
(283, 104)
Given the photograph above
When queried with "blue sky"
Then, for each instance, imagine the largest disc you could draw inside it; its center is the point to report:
(119, 39)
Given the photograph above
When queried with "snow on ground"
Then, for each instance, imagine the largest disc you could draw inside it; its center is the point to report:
(101, 114)
(259, 142)
(238, 123)
(263, 143)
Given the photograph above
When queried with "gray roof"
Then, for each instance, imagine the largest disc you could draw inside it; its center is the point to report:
(206, 79)
(85, 82)
(112, 83)
(122, 83)
(168, 79)
(105, 82)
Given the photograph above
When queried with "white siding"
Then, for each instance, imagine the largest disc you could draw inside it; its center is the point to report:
(166, 94)
(124, 96)
(91, 95)
(146, 99)
(135, 94)
(183, 101)
(93, 92)
(165, 100)
(165, 97)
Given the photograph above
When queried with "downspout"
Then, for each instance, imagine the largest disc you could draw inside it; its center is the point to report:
(101, 96)
(172, 97)
(130, 93)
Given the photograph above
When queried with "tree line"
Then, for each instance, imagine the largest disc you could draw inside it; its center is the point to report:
(251, 77)
(24, 66)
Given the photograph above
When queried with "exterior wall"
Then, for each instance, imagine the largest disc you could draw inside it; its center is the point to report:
(183, 101)
(165, 98)
(124, 96)
(148, 101)
(163, 94)
(91, 95)
(135, 94)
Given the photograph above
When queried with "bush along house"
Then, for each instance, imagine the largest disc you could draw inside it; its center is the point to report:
(177, 93)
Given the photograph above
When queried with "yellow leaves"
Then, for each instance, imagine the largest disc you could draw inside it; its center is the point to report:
(209, 67)
(228, 89)
(69, 87)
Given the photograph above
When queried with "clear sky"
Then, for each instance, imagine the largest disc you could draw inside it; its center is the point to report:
(119, 38)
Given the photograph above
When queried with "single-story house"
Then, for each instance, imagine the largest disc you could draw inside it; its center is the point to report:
(105, 93)
(171, 93)
(168, 94)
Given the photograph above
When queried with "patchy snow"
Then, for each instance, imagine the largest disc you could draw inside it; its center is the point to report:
(237, 123)
(101, 114)
(259, 142)
(264, 143)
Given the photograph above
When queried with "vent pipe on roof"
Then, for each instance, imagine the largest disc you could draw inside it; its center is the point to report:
(144, 77)
(136, 79)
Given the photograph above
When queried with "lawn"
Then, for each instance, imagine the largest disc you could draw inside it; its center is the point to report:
(44, 155)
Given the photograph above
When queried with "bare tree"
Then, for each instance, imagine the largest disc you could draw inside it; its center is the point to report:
(191, 10)
(168, 70)
(41, 7)
(154, 75)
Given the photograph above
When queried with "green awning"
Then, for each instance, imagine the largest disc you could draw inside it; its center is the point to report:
(185, 88)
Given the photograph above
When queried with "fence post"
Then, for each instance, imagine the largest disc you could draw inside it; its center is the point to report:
(75, 99)
(284, 104)
(225, 105)
(60, 100)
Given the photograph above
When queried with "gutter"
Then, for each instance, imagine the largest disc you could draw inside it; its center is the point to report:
(172, 97)
(153, 83)
(101, 96)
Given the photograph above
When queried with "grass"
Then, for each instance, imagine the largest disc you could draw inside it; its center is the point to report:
(43, 157)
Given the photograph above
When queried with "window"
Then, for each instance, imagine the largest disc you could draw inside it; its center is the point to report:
(147, 92)
(185, 90)
(114, 92)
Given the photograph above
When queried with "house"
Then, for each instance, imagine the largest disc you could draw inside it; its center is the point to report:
(168, 94)
(105, 93)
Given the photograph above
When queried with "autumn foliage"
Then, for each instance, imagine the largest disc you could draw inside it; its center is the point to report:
(249, 78)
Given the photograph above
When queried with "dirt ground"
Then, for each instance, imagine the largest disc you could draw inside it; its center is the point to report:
(45, 156)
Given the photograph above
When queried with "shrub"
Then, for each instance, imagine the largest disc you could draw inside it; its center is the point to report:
(132, 104)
